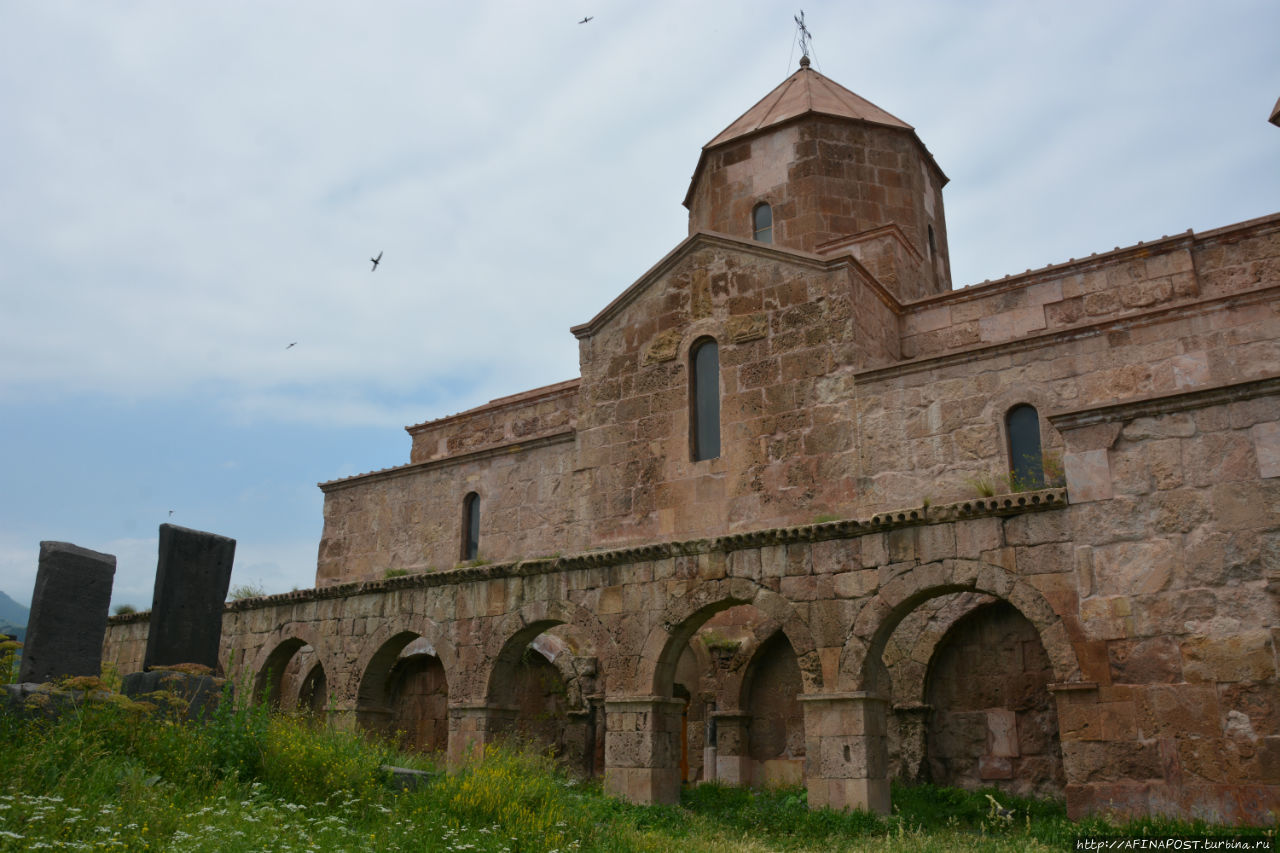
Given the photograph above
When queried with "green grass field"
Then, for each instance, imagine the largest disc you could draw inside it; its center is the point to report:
(113, 775)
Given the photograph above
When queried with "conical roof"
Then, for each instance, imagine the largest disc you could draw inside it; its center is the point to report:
(806, 91)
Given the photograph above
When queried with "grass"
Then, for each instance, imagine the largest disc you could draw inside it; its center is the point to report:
(118, 774)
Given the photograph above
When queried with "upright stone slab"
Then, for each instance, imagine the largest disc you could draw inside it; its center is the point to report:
(68, 613)
(192, 577)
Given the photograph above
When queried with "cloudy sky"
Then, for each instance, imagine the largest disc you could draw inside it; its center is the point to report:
(187, 188)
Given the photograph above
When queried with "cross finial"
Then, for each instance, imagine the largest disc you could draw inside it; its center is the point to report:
(804, 35)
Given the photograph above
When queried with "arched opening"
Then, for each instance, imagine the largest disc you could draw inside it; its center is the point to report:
(762, 223)
(418, 697)
(906, 657)
(1026, 463)
(471, 526)
(547, 683)
(404, 693)
(292, 677)
(738, 681)
(541, 697)
(994, 721)
(704, 399)
(775, 729)
(313, 696)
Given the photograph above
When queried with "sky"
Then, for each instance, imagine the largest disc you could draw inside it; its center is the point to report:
(187, 189)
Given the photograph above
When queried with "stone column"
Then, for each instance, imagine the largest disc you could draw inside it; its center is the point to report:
(1081, 739)
(910, 728)
(471, 727)
(846, 751)
(68, 613)
(709, 749)
(733, 764)
(642, 749)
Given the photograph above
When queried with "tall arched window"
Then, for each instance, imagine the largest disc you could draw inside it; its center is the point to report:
(704, 399)
(762, 223)
(1026, 464)
(471, 526)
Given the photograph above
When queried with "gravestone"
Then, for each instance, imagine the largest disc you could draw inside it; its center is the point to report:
(68, 613)
(192, 577)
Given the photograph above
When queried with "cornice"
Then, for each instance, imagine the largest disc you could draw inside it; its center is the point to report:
(1165, 404)
(418, 467)
(1001, 505)
(1079, 331)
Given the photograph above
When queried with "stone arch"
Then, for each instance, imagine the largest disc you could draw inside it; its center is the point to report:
(368, 679)
(910, 671)
(878, 617)
(267, 668)
(515, 631)
(908, 658)
(684, 615)
(994, 720)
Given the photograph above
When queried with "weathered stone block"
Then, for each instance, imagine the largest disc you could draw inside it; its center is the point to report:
(68, 613)
(192, 578)
(1247, 656)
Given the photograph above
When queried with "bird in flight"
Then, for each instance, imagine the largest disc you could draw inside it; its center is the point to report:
(292, 345)
(375, 262)
(587, 18)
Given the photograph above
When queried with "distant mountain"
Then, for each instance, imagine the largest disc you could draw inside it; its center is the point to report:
(19, 631)
(13, 613)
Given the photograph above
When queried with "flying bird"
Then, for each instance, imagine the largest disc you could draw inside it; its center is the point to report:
(587, 18)
(375, 262)
(292, 345)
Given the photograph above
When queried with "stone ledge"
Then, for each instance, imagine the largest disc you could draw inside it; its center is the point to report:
(1065, 334)
(1165, 404)
(470, 456)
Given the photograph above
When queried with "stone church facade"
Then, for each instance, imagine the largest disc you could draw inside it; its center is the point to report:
(809, 515)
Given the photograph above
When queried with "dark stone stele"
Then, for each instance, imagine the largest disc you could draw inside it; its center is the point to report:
(68, 613)
(192, 577)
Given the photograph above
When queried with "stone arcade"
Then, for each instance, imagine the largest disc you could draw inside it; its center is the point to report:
(811, 515)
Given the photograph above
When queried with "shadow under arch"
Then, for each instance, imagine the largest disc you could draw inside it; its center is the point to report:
(513, 634)
(686, 614)
(731, 694)
(277, 650)
(861, 667)
(368, 681)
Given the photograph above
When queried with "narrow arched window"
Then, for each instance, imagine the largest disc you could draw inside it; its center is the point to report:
(1026, 464)
(471, 526)
(933, 243)
(704, 399)
(762, 223)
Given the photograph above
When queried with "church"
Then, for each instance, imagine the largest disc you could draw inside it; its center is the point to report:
(810, 515)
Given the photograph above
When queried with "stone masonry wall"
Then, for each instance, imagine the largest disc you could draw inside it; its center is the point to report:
(785, 455)
(1175, 540)
(838, 590)
(411, 518)
(934, 426)
(507, 421)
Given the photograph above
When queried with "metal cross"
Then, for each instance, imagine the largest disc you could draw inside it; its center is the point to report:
(804, 33)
